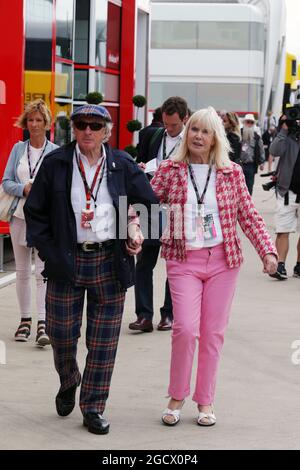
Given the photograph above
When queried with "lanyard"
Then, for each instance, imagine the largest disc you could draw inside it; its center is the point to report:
(32, 172)
(165, 156)
(200, 199)
(89, 190)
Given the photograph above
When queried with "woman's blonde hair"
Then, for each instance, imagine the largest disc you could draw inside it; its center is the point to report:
(33, 107)
(234, 123)
(212, 122)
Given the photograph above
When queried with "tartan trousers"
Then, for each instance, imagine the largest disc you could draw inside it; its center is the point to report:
(95, 274)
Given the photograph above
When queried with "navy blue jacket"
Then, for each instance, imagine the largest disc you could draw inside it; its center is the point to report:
(148, 148)
(50, 220)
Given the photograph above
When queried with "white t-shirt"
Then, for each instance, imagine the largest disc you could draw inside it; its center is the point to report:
(24, 175)
(210, 207)
(104, 219)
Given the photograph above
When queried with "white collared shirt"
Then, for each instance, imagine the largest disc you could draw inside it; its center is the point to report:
(171, 142)
(103, 225)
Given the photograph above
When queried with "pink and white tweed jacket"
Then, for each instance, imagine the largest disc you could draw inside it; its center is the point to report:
(235, 205)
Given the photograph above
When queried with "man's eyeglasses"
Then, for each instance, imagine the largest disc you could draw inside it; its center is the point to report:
(94, 126)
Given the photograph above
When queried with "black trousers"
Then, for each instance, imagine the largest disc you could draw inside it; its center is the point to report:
(249, 170)
(146, 262)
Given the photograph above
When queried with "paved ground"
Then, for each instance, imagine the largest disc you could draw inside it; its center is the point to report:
(257, 402)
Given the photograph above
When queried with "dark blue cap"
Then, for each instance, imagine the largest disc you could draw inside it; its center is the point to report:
(92, 110)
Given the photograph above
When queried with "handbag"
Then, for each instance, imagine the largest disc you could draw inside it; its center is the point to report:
(6, 201)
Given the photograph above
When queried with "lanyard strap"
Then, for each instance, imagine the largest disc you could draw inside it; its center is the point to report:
(32, 172)
(165, 156)
(200, 199)
(89, 190)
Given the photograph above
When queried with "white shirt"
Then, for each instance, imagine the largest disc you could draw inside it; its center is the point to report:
(103, 225)
(171, 142)
(24, 175)
(210, 207)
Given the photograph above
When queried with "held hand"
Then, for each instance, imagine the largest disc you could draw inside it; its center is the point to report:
(135, 239)
(27, 189)
(270, 264)
(142, 166)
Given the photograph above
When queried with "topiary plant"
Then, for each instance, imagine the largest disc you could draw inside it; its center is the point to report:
(94, 97)
(64, 123)
(139, 101)
(132, 150)
(134, 125)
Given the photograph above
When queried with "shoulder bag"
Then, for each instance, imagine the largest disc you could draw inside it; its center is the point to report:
(6, 201)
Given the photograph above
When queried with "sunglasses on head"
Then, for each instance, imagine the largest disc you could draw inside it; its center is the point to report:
(94, 126)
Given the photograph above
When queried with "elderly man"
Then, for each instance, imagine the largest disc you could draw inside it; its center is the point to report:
(253, 154)
(75, 221)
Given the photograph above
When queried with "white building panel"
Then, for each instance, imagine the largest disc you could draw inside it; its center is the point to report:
(205, 12)
(243, 49)
(204, 63)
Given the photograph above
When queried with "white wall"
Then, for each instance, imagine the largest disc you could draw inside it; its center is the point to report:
(225, 66)
(205, 12)
(203, 63)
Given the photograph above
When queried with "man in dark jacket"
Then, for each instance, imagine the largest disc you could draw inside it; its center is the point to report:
(75, 219)
(146, 134)
(268, 137)
(163, 144)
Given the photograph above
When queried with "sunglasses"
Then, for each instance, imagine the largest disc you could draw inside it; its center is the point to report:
(94, 126)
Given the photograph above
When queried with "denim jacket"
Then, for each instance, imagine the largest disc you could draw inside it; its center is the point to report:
(10, 182)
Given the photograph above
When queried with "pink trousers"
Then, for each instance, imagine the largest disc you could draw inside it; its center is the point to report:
(202, 290)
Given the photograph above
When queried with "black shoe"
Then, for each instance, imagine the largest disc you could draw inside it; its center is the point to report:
(142, 324)
(297, 270)
(65, 401)
(95, 423)
(165, 324)
(281, 273)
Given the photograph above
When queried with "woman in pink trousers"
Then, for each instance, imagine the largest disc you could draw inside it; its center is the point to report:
(206, 196)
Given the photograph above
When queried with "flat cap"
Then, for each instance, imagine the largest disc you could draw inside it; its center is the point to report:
(92, 110)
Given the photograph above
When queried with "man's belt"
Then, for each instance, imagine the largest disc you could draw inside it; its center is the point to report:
(95, 246)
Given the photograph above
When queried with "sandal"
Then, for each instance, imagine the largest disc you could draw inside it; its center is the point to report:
(207, 419)
(23, 332)
(174, 414)
(42, 339)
